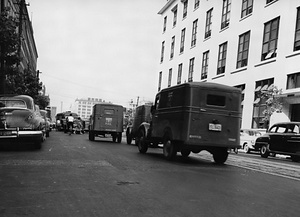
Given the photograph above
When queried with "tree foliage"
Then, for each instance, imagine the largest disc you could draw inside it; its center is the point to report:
(12, 80)
(273, 102)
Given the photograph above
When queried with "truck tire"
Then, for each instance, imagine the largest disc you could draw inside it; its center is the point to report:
(220, 155)
(141, 143)
(185, 153)
(91, 135)
(169, 149)
(114, 137)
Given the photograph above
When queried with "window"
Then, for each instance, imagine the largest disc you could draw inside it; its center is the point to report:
(259, 103)
(225, 13)
(222, 58)
(247, 7)
(174, 15)
(215, 100)
(182, 40)
(197, 3)
(204, 69)
(270, 39)
(208, 24)
(172, 47)
(194, 33)
(179, 73)
(185, 6)
(243, 49)
(170, 78)
(162, 51)
(297, 32)
(293, 81)
(269, 1)
(191, 70)
(159, 81)
(165, 24)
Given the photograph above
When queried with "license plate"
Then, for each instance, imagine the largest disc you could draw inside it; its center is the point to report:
(5, 133)
(215, 127)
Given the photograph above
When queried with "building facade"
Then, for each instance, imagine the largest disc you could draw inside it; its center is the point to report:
(84, 106)
(250, 44)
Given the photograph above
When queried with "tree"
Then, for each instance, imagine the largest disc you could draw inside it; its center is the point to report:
(273, 102)
(9, 43)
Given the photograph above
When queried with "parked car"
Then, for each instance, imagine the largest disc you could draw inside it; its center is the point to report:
(248, 138)
(20, 120)
(47, 122)
(142, 114)
(281, 138)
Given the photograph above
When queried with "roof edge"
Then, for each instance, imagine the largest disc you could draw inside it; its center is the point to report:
(167, 5)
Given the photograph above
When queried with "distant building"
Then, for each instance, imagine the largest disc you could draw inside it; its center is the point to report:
(252, 45)
(83, 107)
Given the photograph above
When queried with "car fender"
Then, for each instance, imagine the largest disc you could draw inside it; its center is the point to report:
(145, 126)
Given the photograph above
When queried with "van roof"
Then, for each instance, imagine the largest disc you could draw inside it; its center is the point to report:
(205, 85)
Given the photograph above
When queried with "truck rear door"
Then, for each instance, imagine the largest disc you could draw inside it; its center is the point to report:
(107, 119)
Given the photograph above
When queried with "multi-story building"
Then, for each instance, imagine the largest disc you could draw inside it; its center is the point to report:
(250, 44)
(84, 107)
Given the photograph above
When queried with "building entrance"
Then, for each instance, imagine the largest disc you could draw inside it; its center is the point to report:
(295, 116)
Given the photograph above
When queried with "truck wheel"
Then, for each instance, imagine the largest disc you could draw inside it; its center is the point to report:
(185, 153)
(119, 137)
(246, 149)
(114, 137)
(140, 141)
(264, 152)
(220, 155)
(169, 149)
(295, 158)
(91, 136)
(128, 138)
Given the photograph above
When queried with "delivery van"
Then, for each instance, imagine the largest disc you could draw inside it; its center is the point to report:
(106, 119)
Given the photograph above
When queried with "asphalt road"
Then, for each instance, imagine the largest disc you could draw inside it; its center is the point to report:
(72, 176)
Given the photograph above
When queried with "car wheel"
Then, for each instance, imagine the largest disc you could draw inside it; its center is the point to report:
(264, 151)
(185, 153)
(91, 136)
(246, 149)
(169, 149)
(140, 141)
(220, 155)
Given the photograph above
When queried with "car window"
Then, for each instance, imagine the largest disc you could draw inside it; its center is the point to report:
(13, 103)
(281, 129)
(293, 129)
(273, 129)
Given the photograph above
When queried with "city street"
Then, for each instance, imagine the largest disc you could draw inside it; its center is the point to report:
(72, 176)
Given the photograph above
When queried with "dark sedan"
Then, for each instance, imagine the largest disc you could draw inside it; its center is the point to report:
(281, 138)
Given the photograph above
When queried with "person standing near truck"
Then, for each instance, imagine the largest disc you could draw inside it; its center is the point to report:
(70, 121)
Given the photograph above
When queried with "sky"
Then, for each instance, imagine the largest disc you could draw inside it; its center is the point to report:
(107, 49)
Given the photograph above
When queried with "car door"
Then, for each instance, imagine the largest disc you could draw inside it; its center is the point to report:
(292, 139)
(277, 138)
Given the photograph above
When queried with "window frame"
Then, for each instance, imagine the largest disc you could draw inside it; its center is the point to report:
(225, 18)
(297, 32)
(194, 33)
(191, 69)
(182, 39)
(204, 68)
(247, 8)
(170, 77)
(208, 23)
(162, 51)
(243, 49)
(179, 76)
(222, 54)
(172, 47)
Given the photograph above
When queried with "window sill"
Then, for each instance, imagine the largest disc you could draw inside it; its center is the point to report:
(207, 38)
(193, 46)
(239, 70)
(267, 5)
(245, 17)
(296, 53)
(265, 62)
(218, 76)
(222, 30)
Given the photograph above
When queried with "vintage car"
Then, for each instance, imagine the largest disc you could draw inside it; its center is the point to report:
(47, 122)
(142, 114)
(20, 120)
(248, 138)
(281, 138)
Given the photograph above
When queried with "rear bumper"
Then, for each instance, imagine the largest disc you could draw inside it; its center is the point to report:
(19, 135)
